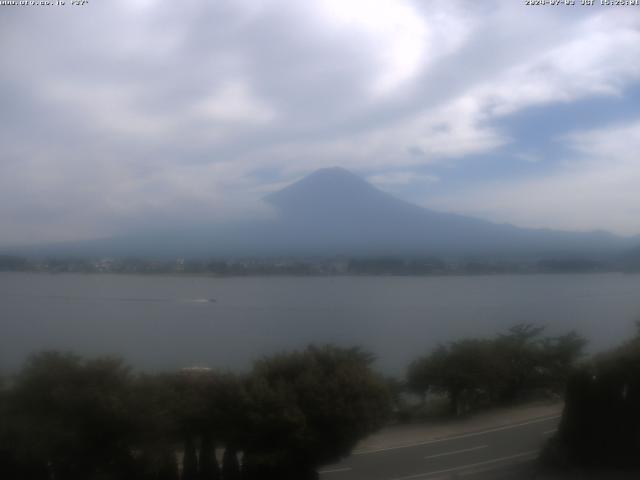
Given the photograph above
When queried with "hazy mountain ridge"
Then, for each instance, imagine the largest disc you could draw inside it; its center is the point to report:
(339, 208)
(334, 212)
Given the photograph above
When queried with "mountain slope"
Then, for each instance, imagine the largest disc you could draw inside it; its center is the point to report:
(334, 212)
(333, 208)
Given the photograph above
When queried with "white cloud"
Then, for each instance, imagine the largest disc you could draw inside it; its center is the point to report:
(391, 179)
(528, 157)
(591, 58)
(595, 188)
(396, 35)
(107, 106)
(136, 108)
(460, 125)
(234, 103)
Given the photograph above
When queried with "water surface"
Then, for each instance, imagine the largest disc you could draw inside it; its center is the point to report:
(159, 322)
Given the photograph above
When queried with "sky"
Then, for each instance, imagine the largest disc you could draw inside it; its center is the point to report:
(126, 114)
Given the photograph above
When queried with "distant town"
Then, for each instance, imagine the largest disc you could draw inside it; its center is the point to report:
(310, 266)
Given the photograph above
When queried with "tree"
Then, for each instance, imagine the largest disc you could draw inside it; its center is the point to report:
(167, 467)
(601, 421)
(73, 416)
(463, 370)
(559, 357)
(190, 460)
(157, 425)
(8, 462)
(310, 408)
(474, 371)
(230, 465)
(519, 357)
(225, 408)
(208, 464)
(420, 377)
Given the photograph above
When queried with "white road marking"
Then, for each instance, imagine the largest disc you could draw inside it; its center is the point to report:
(456, 451)
(549, 432)
(456, 437)
(335, 470)
(470, 465)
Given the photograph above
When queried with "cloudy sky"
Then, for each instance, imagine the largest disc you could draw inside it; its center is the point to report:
(121, 114)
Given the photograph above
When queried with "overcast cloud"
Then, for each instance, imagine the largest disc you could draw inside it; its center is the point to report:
(122, 114)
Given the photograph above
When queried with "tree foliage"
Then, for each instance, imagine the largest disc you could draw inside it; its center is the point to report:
(208, 463)
(309, 408)
(230, 464)
(498, 370)
(600, 425)
(72, 417)
(68, 418)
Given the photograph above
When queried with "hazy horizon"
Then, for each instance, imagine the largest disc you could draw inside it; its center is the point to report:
(259, 239)
(140, 114)
(269, 210)
(335, 213)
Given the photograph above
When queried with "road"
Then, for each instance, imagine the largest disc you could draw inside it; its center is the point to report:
(499, 453)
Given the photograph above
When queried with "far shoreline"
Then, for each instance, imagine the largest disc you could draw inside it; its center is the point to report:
(321, 275)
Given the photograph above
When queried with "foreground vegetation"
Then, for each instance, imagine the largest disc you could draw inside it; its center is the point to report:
(600, 426)
(472, 373)
(72, 419)
(63, 417)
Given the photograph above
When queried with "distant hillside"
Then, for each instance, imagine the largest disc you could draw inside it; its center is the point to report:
(334, 212)
(631, 259)
(335, 209)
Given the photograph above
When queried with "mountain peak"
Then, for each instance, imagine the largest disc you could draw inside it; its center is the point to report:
(334, 173)
(330, 178)
(333, 211)
(334, 185)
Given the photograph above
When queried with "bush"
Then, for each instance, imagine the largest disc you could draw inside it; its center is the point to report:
(474, 372)
(601, 421)
(310, 408)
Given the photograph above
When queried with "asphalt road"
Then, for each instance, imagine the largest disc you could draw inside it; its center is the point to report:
(499, 453)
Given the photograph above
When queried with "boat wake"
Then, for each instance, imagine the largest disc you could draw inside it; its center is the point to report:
(123, 299)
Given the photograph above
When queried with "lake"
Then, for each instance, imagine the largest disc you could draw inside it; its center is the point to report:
(157, 322)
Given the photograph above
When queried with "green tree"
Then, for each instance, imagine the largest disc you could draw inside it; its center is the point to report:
(167, 467)
(226, 405)
(560, 356)
(421, 377)
(520, 358)
(464, 370)
(190, 460)
(230, 465)
(157, 425)
(74, 416)
(208, 464)
(310, 408)
(600, 424)
(502, 369)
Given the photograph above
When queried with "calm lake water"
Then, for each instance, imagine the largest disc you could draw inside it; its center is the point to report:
(168, 322)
